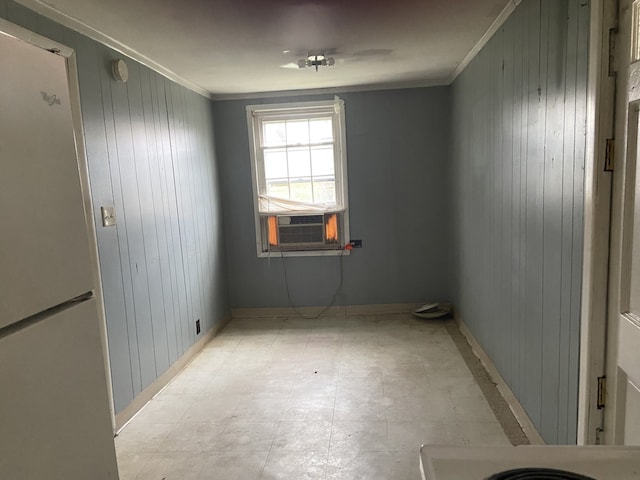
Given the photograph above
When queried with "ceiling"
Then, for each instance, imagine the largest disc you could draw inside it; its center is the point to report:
(237, 47)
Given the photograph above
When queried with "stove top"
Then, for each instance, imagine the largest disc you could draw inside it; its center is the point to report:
(538, 474)
(530, 462)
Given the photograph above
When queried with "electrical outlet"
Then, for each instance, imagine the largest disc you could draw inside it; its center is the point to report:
(356, 243)
(198, 327)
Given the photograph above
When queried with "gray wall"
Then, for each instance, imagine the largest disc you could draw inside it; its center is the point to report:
(519, 114)
(151, 154)
(397, 158)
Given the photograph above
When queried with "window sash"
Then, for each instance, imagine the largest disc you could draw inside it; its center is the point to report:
(270, 204)
(261, 120)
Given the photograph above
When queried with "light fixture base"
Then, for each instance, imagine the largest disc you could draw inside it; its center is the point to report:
(316, 60)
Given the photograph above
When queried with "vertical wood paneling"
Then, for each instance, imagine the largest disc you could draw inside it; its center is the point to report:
(102, 193)
(196, 200)
(569, 137)
(125, 99)
(126, 293)
(152, 215)
(519, 116)
(170, 214)
(176, 126)
(518, 61)
(203, 206)
(533, 228)
(577, 219)
(505, 326)
(528, 51)
(552, 214)
(149, 146)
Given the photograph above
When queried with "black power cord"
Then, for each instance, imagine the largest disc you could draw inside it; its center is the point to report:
(333, 299)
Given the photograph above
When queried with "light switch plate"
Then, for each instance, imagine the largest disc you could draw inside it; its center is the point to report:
(108, 216)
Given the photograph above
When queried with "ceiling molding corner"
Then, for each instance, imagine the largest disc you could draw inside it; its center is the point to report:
(68, 21)
(497, 23)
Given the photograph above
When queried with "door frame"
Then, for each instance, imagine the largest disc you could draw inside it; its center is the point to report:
(13, 30)
(601, 110)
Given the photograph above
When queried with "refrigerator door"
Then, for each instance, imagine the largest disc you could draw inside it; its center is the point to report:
(44, 250)
(53, 401)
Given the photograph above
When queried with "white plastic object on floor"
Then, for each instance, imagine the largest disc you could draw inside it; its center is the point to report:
(433, 310)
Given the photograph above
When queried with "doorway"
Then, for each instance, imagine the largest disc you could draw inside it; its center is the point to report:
(622, 399)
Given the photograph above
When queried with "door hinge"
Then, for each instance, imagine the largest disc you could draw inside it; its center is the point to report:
(599, 432)
(602, 391)
(609, 152)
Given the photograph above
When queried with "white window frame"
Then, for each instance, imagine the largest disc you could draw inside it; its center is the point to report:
(292, 110)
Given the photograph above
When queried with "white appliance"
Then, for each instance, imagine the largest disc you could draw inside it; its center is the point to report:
(55, 421)
(481, 463)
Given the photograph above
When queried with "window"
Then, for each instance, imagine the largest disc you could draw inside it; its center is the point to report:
(298, 168)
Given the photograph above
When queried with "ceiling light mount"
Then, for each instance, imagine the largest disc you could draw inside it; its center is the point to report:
(316, 60)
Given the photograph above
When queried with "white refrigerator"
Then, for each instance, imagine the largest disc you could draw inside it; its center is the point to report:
(55, 420)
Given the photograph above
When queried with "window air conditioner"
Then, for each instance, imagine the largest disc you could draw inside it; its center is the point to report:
(303, 232)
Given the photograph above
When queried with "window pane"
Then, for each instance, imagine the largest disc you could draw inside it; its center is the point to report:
(322, 161)
(275, 163)
(297, 132)
(278, 188)
(274, 134)
(299, 162)
(324, 190)
(301, 190)
(321, 130)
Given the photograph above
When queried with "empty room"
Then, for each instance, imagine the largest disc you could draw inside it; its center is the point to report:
(319, 239)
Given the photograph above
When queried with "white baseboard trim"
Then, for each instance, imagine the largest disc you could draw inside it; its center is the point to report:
(516, 407)
(336, 311)
(126, 415)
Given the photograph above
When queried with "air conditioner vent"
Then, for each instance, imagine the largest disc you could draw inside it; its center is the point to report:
(301, 220)
(301, 234)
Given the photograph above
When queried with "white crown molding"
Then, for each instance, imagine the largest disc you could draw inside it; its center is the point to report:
(333, 90)
(495, 26)
(68, 21)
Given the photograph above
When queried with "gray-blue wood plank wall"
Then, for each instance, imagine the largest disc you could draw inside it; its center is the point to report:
(150, 150)
(518, 153)
(398, 160)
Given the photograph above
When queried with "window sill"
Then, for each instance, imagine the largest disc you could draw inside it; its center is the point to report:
(308, 253)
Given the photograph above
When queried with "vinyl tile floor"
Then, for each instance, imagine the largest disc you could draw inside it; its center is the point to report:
(291, 398)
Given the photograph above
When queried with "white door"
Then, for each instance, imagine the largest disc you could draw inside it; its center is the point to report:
(44, 249)
(628, 362)
(622, 425)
